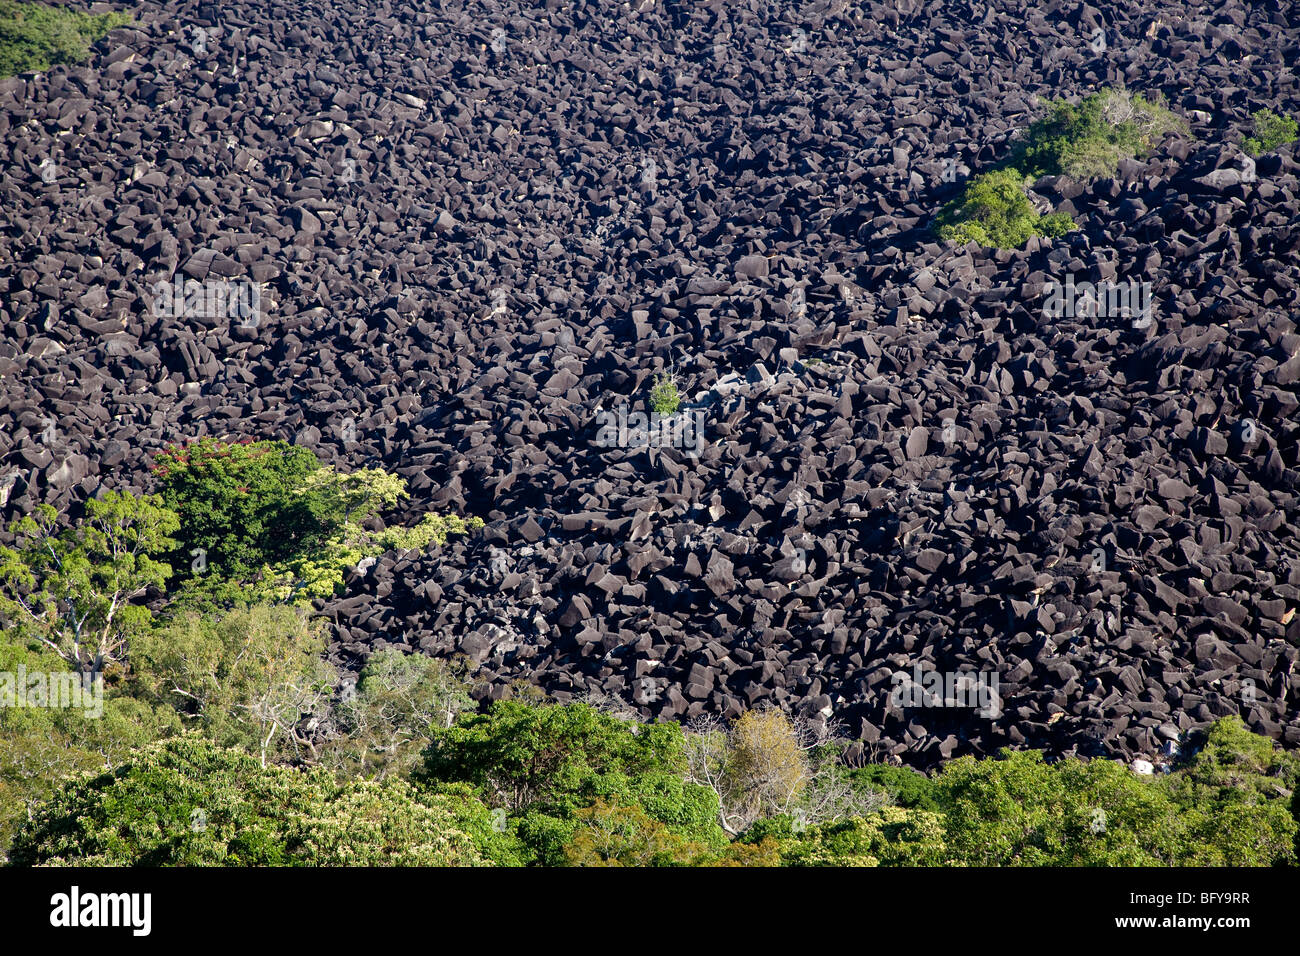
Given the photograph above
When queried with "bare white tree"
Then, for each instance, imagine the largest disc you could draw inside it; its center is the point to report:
(767, 764)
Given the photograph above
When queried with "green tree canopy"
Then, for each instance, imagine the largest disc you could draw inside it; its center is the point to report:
(240, 503)
(188, 802)
(73, 589)
(542, 764)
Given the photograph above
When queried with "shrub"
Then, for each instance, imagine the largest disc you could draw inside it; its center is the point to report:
(995, 210)
(1084, 140)
(1088, 139)
(1271, 131)
(766, 767)
(664, 397)
(35, 36)
(892, 836)
(190, 803)
(615, 834)
(905, 787)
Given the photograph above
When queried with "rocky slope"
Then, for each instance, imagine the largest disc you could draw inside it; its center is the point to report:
(478, 226)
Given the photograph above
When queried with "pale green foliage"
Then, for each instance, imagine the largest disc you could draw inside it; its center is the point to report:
(247, 679)
(40, 746)
(766, 769)
(372, 823)
(356, 495)
(892, 836)
(321, 573)
(1271, 131)
(72, 589)
(431, 529)
(400, 698)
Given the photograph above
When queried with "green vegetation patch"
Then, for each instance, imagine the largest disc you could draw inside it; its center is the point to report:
(188, 802)
(664, 397)
(540, 766)
(1271, 131)
(995, 211)
(243, 504)
(1228, 805)
(1084, 140)
(35, 36)
(269, 514)
(1088, 139)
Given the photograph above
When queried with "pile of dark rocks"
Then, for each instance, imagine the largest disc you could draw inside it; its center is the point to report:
(479, 231)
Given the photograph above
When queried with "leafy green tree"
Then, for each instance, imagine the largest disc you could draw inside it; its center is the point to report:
(266, 522)
(1237, 798)
(1227, 808)
(351, 498)
(241, 504)
(548, 755)
(188, 802)
(625, 835)
(891, 836)
(1001, 812)
(40, 746)
(73, 589)
(610, 833)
